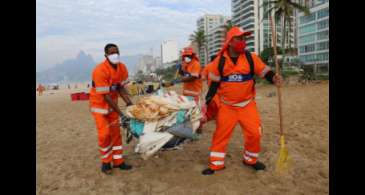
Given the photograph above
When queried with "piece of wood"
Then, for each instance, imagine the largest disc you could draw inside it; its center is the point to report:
(277, 67)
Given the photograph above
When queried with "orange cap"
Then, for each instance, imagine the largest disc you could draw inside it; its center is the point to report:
(188, 51)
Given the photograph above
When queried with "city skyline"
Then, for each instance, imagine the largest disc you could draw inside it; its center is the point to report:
(64, 28)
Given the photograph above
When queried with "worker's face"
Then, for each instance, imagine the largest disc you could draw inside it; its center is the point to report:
(237, 38)
(112, 55)
(112, 50)
(238, 44)
(188, 58)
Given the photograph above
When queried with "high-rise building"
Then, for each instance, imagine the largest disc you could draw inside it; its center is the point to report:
(252, 16)
(245, 14)
(169, 52)
(157, 61)
(206, 23)
(313, 36)
(145, 63)
(215, 40)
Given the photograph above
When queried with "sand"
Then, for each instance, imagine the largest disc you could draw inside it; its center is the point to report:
(68, 159)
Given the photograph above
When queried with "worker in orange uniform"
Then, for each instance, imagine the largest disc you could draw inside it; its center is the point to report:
(190, 72)
(233, 70)
(107, 83)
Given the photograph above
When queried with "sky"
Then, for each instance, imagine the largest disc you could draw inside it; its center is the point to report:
(64, 27)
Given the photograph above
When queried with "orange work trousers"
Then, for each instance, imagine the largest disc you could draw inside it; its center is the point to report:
(109, 138)
(227, 118)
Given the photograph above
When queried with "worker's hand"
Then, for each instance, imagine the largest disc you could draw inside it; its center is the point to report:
(278, 80)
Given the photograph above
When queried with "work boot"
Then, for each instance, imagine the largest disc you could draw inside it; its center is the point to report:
(199, 131)
(209, 171)
(257, 166)
(124, 166)
(106, 168)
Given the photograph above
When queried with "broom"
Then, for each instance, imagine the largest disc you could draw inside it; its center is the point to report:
(283, 160)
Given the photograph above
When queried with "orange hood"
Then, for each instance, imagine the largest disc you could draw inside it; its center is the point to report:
(233, 32)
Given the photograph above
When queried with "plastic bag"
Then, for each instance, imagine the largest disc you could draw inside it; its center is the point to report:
(183, 130)
(150, 143)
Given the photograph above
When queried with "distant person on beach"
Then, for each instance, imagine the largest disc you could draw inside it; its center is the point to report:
(108, 80)
(40, 89)
(69, 87)
(232, 95)
(140, 88)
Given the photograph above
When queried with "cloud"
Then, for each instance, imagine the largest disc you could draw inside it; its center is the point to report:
(66, 26)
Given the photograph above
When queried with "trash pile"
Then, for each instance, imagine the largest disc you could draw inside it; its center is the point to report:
(163, 120)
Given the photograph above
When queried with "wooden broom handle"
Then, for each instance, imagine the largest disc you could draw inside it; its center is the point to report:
(277, 67)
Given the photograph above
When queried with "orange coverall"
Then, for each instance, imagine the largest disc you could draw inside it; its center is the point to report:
(105, 80)
(236, 104)
(192, 88)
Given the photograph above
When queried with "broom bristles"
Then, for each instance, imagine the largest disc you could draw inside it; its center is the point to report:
(283, 160)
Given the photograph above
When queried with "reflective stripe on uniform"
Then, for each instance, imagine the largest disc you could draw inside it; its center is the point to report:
(195, 74)
(102, 89)
(99, 110)
(217, 154)
(217, 163)
(239, 104)
(117, 147)
(191, 92)
(117, 156)
(247, 158)
(107, 154)
(256, 155)
(263, 73)
(105, 149)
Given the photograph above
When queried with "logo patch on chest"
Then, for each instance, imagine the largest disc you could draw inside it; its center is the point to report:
(237, 78)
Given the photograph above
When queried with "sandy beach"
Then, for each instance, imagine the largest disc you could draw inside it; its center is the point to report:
(68, 159)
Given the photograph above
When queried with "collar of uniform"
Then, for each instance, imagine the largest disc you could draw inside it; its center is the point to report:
(186, 65)
(109, 66)
(228, 58)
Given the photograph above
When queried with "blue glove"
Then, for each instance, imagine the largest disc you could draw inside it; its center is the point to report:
(176, 81)
(178, 66)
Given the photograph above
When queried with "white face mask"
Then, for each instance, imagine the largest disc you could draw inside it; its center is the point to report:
(114, 58)
(187, 59)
